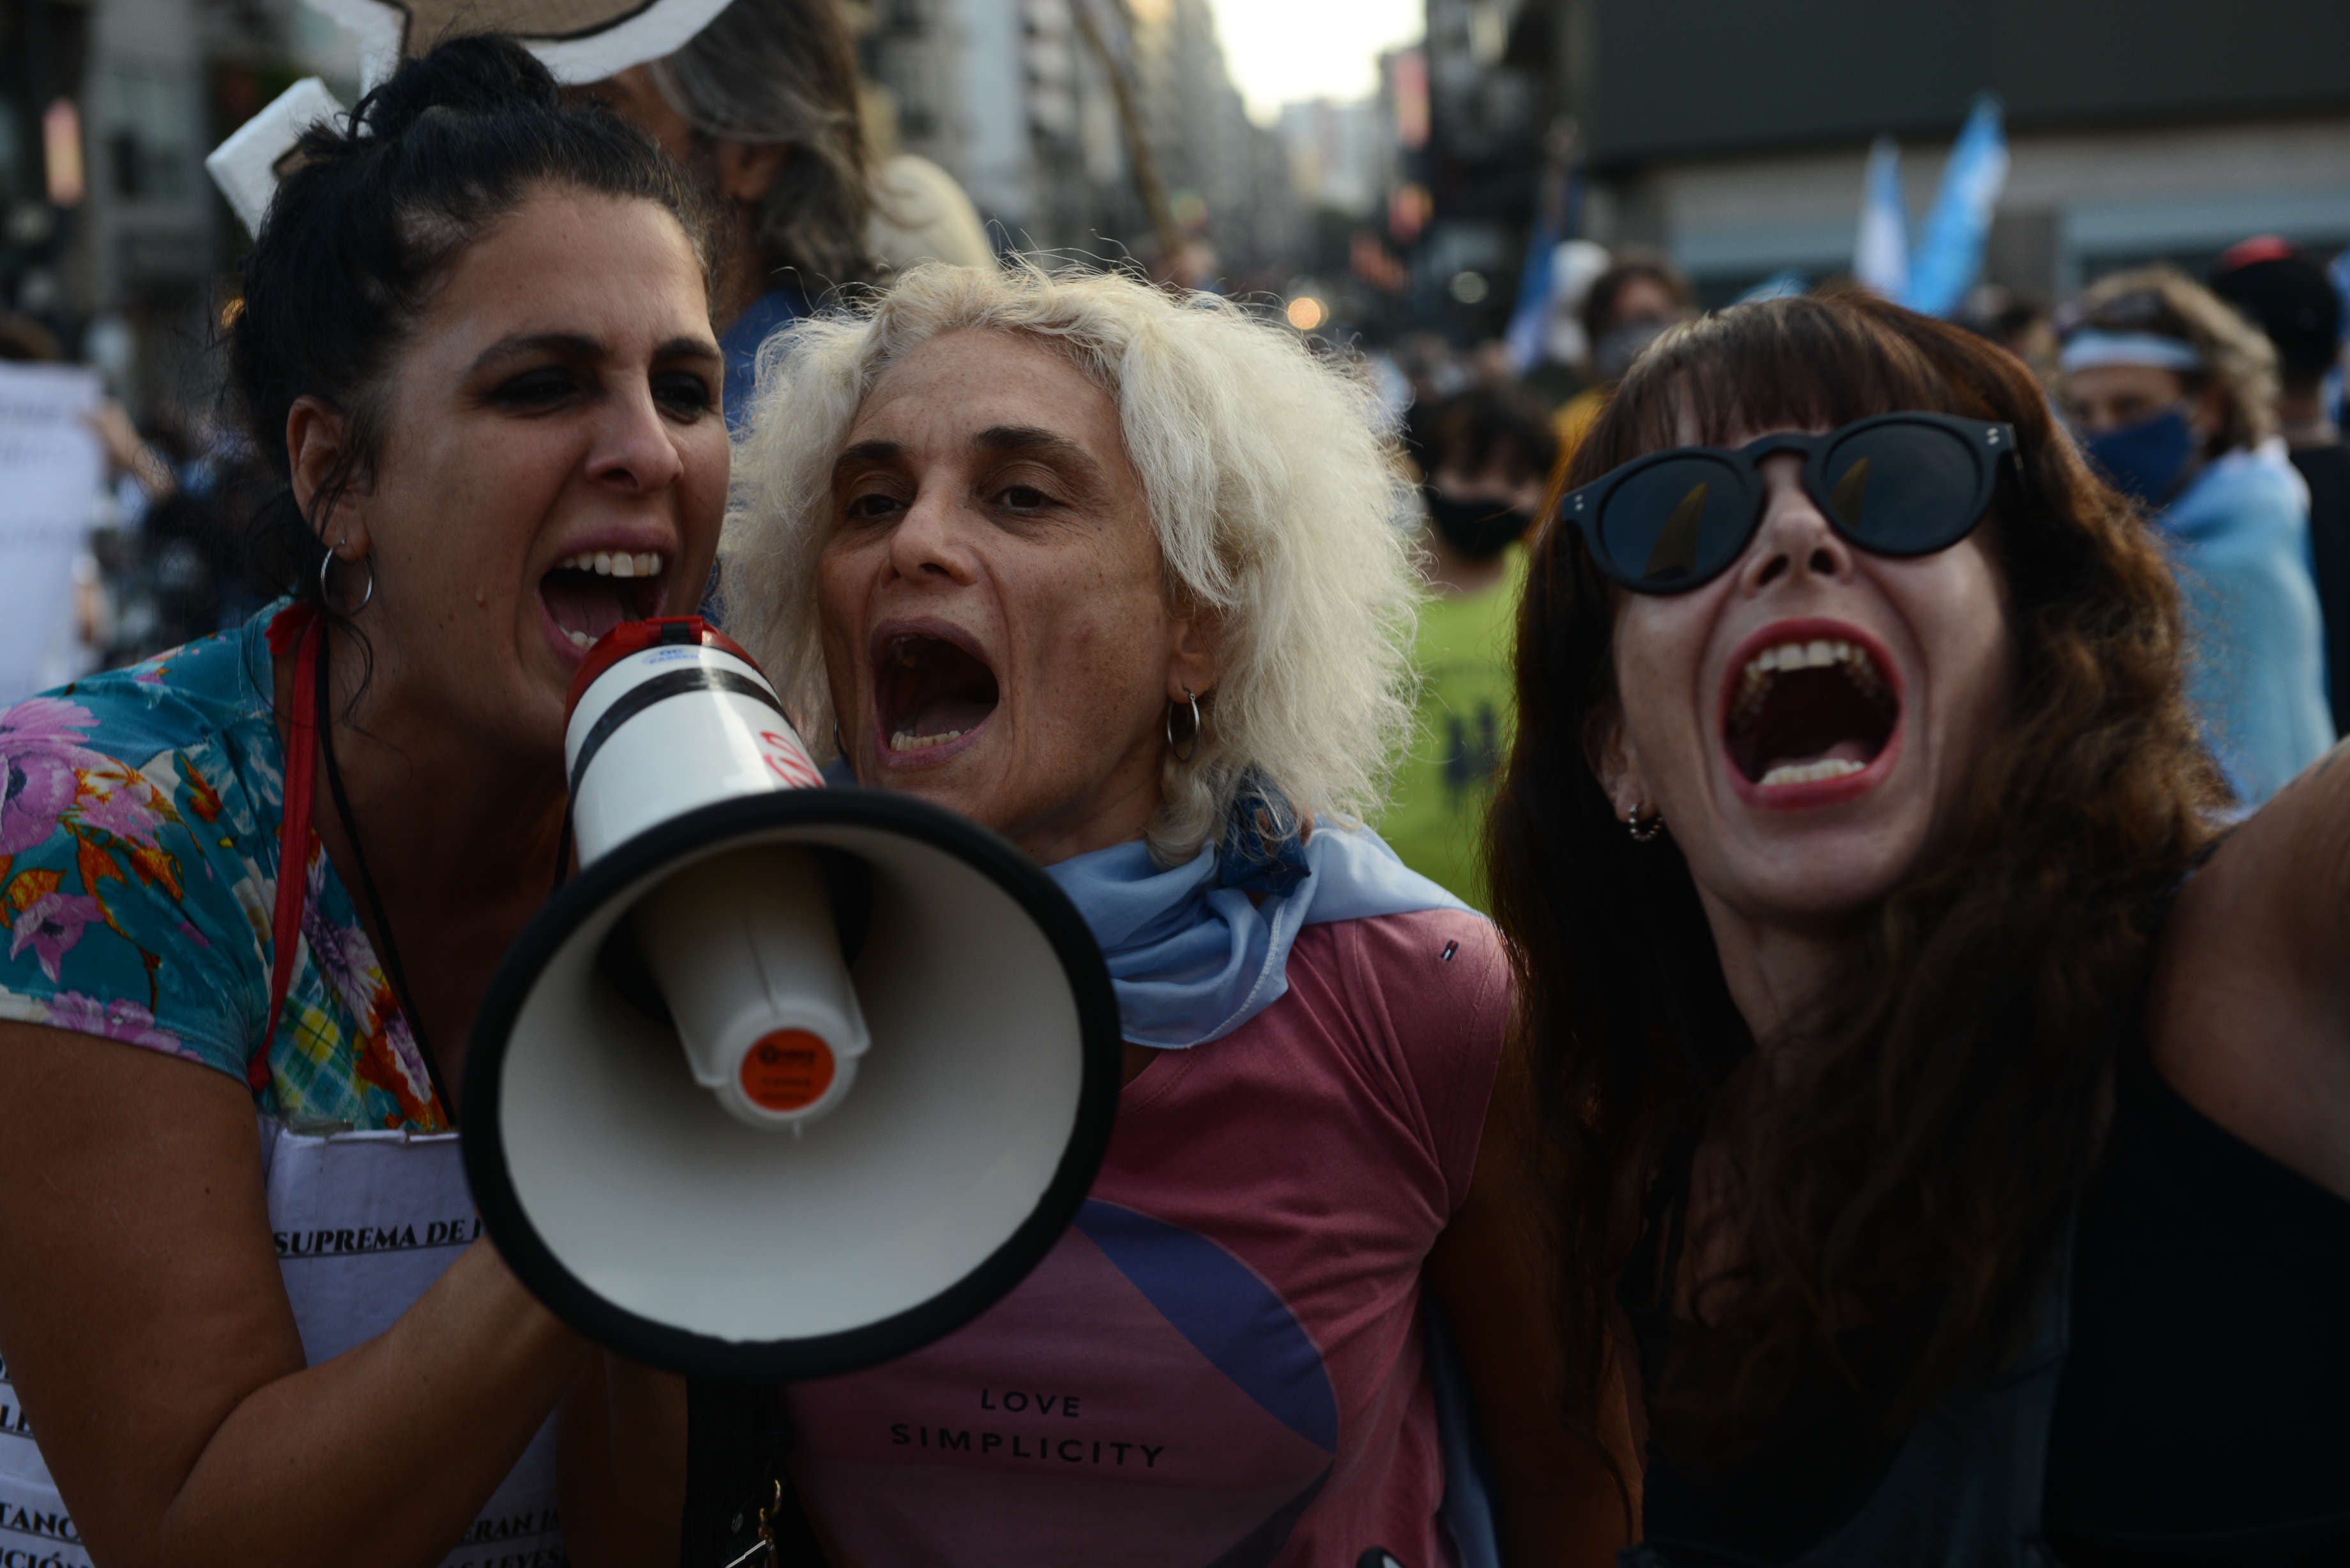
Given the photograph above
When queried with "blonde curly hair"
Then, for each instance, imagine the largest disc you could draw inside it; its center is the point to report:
(1269, 482)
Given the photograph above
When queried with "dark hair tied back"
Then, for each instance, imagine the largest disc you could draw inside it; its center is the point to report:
(373, 212)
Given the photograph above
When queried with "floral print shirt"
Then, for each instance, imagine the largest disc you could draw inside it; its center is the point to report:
(138, 862)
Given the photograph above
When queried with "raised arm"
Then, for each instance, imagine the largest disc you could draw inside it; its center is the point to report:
(2248, 1015)
(147, 1331)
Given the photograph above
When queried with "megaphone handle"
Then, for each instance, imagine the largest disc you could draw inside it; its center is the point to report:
(740, 1507)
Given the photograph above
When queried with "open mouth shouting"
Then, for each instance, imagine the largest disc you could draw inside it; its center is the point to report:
(934, 691)
(1812, 714)
(587, 594)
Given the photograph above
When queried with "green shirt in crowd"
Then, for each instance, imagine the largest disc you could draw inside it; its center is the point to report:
(1435, 817)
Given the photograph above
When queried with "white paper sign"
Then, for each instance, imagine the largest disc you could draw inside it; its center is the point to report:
(51, 465)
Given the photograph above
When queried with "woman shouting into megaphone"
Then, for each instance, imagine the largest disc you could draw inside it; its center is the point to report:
(1123, 574)
(253, 889)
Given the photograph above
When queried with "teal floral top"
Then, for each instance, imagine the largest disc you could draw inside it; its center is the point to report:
(138, 863)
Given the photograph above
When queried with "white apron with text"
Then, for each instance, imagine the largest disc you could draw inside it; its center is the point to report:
(364, 1222)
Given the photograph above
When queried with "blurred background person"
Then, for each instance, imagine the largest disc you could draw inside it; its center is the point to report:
(1627, 307)
(25, 341)
(1562, 366)
(1432, 369)
(920, 214)
(760, 108)
(181, 573)
(2020, 322)
(1490, 452)
(2288, 296)
(2174, 396)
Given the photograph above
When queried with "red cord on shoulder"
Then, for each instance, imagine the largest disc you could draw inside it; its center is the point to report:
(295, 630)
(287, 627)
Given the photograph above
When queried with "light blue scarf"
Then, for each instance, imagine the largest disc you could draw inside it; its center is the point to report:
(1197, 951)
(2239, 539)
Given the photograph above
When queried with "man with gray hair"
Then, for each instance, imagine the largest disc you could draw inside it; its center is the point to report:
(760, 106)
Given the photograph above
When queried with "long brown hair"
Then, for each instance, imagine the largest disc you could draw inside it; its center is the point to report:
(1912, 1162)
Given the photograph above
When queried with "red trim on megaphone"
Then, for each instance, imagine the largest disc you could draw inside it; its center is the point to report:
(636, 636)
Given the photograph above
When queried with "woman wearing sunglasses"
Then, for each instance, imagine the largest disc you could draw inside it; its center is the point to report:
(1960, 1170)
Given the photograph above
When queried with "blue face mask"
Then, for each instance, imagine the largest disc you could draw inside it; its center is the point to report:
(2146, 461)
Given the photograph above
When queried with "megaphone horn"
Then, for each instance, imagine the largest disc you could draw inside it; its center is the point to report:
(788, 1079)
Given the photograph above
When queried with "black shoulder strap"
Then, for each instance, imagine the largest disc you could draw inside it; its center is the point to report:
(735, 1481)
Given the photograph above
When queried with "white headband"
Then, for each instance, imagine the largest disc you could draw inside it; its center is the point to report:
(2089, 349)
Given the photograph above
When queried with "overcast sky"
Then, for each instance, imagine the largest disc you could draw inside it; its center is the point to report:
(1280, 50)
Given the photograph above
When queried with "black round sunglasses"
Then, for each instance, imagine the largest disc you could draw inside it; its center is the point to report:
(1894, 484)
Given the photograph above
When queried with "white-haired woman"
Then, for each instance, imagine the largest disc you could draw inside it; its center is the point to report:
(1123, 574)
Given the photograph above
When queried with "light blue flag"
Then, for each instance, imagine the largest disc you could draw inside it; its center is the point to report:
(1880, 251)
(1950, 246)
(1525, 334)
(1530, 319)
(1782, 284)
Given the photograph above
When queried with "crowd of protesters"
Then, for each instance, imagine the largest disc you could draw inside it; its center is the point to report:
(1889, 748)
(2211, 405)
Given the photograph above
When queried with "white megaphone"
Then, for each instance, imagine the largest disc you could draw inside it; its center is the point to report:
(787, 1080)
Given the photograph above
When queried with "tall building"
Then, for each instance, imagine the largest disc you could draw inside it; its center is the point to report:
(144, 88)
(2168, 130)
(1489, 102)
(1011, 98)
(1339, 154)
(1732, 135)
(43, 47)
(1196, 118)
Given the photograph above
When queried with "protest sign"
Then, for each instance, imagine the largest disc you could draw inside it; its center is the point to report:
(50, 468)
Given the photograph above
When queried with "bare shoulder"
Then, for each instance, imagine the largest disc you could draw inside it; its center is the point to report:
(2248, 1011)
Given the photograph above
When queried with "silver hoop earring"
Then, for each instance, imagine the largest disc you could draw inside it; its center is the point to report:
(1181, 755)
(1643, 830)
(327, 563)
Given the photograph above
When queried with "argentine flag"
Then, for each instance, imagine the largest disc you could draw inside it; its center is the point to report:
(1880, 255)
(1949, 250)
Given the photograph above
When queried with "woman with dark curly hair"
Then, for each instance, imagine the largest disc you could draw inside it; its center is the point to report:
(1961, 1169)
(255, 888)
